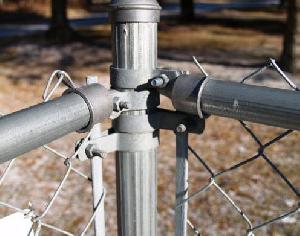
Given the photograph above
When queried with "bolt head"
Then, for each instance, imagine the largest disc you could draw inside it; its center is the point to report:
(157, 82)
(181, 128)
(123, 105)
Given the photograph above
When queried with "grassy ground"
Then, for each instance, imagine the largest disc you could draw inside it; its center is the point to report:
(228, 51)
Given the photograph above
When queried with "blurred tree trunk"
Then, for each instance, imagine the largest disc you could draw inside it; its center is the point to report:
(88, 2)
(187, 10)
(290, 58)
(282, 3)
(60, 29)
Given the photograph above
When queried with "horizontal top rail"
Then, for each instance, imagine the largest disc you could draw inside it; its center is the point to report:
(33, 127)
(269, 106)
(258, 104)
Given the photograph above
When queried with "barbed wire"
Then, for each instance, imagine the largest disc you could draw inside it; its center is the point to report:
(260, 154)
(37, 220)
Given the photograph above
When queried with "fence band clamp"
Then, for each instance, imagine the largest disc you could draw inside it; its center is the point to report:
(199, 109)
(81, 93)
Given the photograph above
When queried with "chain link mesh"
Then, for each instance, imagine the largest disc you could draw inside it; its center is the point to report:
(261, 154)
(38, 220)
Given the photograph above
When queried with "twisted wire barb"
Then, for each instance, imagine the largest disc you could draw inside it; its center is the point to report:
(62, 78)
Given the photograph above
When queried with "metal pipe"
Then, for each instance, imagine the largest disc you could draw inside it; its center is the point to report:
(134, 26)
(33, 127)
(269, 106)
(182, 185)
(97, 177)
(136, 184)
(98, 188)
(258, 104)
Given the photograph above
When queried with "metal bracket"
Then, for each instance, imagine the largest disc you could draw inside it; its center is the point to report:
(132, 101)
(122, 142)
(160, 119)
(170, 120)
(172, 73)
(111, 141)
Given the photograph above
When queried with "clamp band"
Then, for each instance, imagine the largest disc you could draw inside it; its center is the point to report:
(90, 108)
(98, 101)
(199, 109)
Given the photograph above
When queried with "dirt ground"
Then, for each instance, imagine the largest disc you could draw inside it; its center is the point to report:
(25, 65)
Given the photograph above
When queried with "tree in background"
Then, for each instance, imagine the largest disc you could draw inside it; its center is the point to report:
(60, 29)
(290, 58)
(89, 2)
(187, 10)
(282, 3)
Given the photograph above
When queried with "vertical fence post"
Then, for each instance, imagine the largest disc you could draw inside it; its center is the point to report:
(97, 177)
(134, 29)
(181, 181)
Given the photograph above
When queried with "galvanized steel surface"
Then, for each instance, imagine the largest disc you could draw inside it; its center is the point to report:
(136, 185)
(258, 104)
(134, 29)
(98, 100)
(98, 188)
(97, 175)
(136, 137)
(135, 11)
(182, 175)
(275, 107)
(33, 127)
(135, 54)
(28, 129)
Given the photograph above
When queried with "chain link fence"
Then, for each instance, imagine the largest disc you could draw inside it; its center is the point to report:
(261, 153)
(38, 221)
(214, 183)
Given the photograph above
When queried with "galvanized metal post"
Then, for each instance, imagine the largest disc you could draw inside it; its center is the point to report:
(181, 181)
(98, 189)
(97, 176)
(134, 29)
